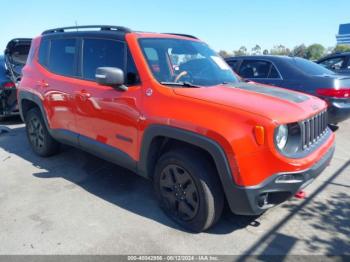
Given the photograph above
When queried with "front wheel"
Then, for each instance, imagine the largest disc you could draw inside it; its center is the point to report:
(188, 189)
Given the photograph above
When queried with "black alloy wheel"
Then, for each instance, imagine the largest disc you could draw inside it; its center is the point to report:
(180, 192)
(36, 133)
(42, 143)
(188, 188)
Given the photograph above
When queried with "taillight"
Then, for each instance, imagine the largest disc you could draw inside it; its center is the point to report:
(332, 92)
(9, 85)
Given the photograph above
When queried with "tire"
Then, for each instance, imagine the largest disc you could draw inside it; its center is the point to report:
(39, 138)
(188, 189)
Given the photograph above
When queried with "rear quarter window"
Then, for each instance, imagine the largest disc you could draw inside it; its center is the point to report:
(255, 69)
(233, 64)
(43, 54)
(62, 57)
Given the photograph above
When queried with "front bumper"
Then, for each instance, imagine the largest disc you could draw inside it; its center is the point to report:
(254, 200)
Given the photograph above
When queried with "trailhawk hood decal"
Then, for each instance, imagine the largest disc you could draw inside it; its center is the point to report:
(278, 104)
(272, 91)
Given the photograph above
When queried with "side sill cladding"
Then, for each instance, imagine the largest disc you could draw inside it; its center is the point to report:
(87, 144)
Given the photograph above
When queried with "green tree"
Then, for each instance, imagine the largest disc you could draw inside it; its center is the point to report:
(315, 51)
(341, 48)
(280, 50)
(241, 51)
(256, 50)
(223, 53)
(266, 52)
(299, 51)
(330, 50)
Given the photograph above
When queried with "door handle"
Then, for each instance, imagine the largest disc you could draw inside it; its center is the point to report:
(42, 83)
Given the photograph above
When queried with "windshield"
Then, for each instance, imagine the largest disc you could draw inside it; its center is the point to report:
(185, 61)
(311, 68)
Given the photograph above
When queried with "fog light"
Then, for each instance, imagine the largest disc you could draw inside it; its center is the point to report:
(289, 178)
(262, 200)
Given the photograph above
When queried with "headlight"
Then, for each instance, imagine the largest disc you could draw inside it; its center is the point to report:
(281, 136)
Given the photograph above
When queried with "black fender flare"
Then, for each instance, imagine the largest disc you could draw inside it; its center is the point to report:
(205, 143)
(26, 95)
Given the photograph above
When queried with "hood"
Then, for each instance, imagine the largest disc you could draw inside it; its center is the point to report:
(277, 104)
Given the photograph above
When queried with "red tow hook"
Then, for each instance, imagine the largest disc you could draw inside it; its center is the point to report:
(300, 194)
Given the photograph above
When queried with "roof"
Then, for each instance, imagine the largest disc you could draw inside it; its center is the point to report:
(105, 34)
(107, 30)
(77, 28)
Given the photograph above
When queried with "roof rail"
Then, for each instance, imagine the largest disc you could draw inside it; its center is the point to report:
(185, 35)
(101, 27)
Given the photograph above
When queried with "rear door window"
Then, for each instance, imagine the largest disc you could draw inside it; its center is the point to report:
(62, 57)
(258, 69)
(102, 53)
(233, 64)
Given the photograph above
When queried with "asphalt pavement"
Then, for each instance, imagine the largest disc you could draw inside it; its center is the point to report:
(75, 203)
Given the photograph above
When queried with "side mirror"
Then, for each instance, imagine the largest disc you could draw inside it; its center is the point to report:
(111, 76)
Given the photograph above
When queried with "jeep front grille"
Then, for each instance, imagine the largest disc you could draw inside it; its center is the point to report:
(312, 129)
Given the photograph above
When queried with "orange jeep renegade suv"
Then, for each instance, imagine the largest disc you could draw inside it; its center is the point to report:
(167, 107)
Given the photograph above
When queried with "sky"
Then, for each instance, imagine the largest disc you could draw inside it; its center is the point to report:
(223, 24)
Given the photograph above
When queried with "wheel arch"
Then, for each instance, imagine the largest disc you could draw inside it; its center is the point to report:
(27, 101)
(156, 139)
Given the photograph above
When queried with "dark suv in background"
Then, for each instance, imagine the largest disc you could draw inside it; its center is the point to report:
(7, 92)
(11, 64)
(300, 75)
(338, 62)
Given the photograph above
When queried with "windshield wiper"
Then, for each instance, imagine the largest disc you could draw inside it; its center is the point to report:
(182, 84)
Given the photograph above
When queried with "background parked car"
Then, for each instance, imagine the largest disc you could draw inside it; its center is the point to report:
(301, 75)
(11, 65)
(8, 100)
(338, 62)
(16, 54)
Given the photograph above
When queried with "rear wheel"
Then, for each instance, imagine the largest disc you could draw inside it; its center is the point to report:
(187, 186)
(39, 138)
